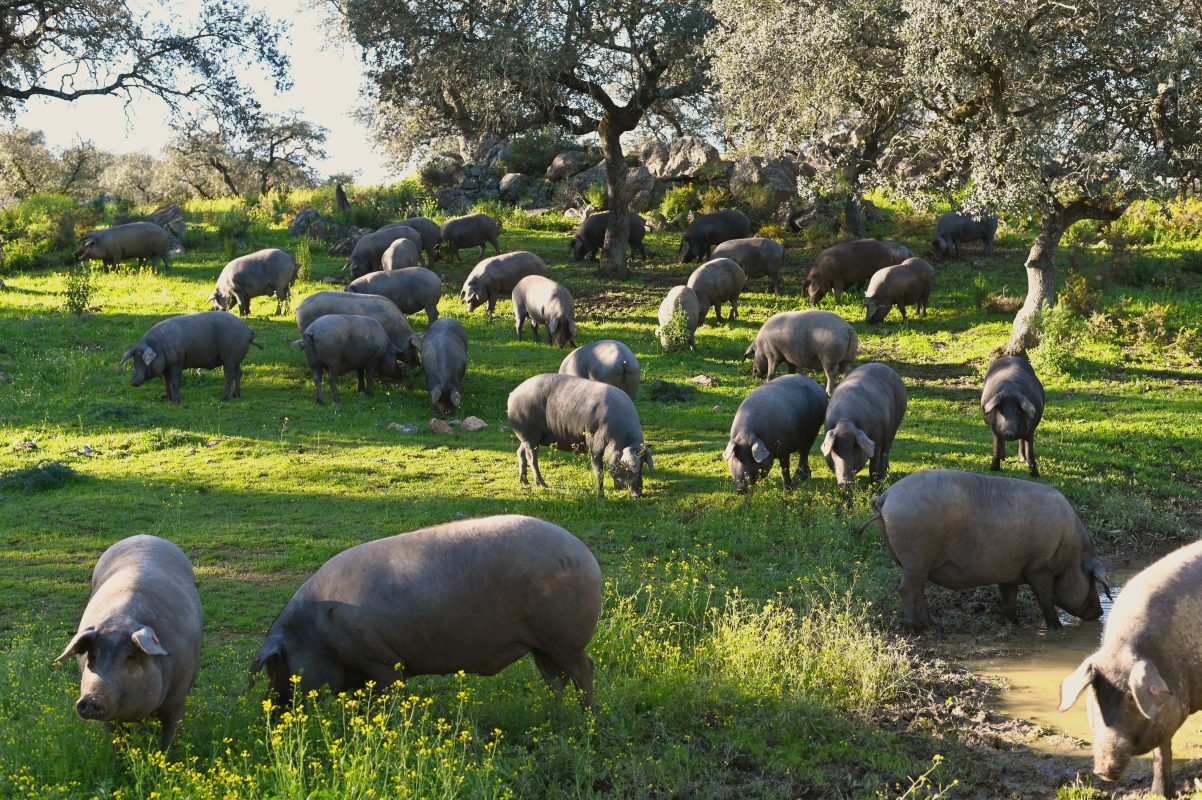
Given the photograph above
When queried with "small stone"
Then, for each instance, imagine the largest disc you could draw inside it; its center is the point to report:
(717, 409)
(5, 378)
(474, 424)
(398, 427)
(438, 426)
(453, 422)
(503, 429)
(330, 279)
(25, 444)
(704, 380)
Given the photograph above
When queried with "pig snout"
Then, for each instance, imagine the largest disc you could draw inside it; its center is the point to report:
(92, 706)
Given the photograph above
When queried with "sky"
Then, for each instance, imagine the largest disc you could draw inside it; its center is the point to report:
(326, 79)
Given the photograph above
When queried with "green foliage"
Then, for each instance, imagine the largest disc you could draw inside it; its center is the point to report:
(597, 195)
(24, 255)
(78, 289)
(714, 197)
(47, 220)
(1059, 330)
(442, 170)
(304, 259)
(38, 478)
(774, 232)
(758, 200)
(499, 210)
(675, 335)
(550, 221)
(532, 152)
(676, 205)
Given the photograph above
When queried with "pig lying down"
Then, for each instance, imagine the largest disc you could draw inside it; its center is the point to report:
(1145, 678)
(138, 642)
(475, 595)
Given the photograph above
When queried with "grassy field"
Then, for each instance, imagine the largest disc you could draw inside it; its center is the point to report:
(748, 645)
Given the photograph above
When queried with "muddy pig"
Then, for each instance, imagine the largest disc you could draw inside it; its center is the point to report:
(1012, 402)
(474, 595)
(204, 340)
(804, 340)
(608, 361)
(759, 258)
(444, 363)
(680, 301)
(138, 642)
(708, 230)
(776, 420)
(907, 283)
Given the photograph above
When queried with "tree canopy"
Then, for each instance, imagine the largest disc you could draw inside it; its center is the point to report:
(68, 49)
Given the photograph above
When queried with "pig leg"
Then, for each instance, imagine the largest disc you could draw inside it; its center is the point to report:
(238, 379)
(718, 312)
(599, 475)
(495, 246)
(492, 299)
(538, 475)
(999, 452)
(1162, 769)
(803, 464)
(230, 371)
(1041, 584)
(1027, 450)
(175, 371)
(317, 385)
(243, 304)
(1008, 592)
(371, 381)
(431, 313)
(359, 375)
(170, 716)
(988, 253)
(914, 600)
(334, 386)
(534, 332)
(829, 369)
(786, 479)
(901, 307)
(519, 313)
(522, 479)
(734, 309)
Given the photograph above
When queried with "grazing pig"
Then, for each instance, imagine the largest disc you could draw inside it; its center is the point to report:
(759, 258)
(679, 308)
(474, 230)
(907, 283)
(368, 253)
(264, 273)
(496, 277)
(400, 254)
(590, 236)
(138, 642)
(717, 282)
(204, 340)
(804, 340)
(471, 596)
(899, 252)
(411, 289)
(708, 230)
(571, 413)
(608, 361)
(379, 308)
(1143, 680)
(961, 529)
(431, 236)
(338, 343)
(545, 302)
(862, 419)
(776, 420)
(847, 265)
(144, 241)
(953, 228)
(444, 362)
(1012, 402)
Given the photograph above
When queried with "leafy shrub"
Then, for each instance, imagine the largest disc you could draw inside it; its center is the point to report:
(79, 289)
(1060, 331)
(47, 221)
(442, 170)
(531, 153)
(676, 332)
(676, 205)
(233, 224)
(714, 198)
(549, 221)
(304, 259)
(1076, 294)
(497, 209)
(597, 195)
(23, 255)
(47, 475)
(774, 232)
(758, 200)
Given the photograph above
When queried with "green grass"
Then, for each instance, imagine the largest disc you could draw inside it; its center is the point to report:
(747, 645)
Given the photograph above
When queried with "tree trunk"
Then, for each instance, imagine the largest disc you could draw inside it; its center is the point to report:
(853, 220)
(613, 252)
(1041, 283)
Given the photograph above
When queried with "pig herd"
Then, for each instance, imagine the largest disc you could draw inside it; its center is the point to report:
(478, 594)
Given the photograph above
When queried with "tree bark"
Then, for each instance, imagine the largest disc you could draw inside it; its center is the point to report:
(853, 219)
(613, 252)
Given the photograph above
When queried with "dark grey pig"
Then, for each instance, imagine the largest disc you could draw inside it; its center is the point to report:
(608, 361)
(431, 235)
(680, 302)
(474, 230)
(898, 250)
(474, 595)
(545, 302)
(848, 265)
(400, 254)
(1143, 680)
(707, 230)
(204, 340)
(954, 228)
(776, 420)
(905, 284)
(576, 413)
(716, 282)
(961, 529)
(496, 277)
(138, 642)
(144, 241)
(412, 289)
(759, 258)
(444, 363)
(338, 343)
(590, 236)
(1012, 402)
(259, 274)
(804, 340)
(862, 419)
(368, 253)
(379, 308)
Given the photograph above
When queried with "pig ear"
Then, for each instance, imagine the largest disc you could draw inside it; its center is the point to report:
(127, 355)
(148, 641)
(553, 325)
(270, 649)
(1098, 572)
(991, 404)
(866, 444)
(645, 455)
(1028, 406)
(1075, 683)
(80, 643)
(828, 443)
(750, 352)
(759, 451)
(1152, 694)
(148, 356)
(456, 398)
(729, 451)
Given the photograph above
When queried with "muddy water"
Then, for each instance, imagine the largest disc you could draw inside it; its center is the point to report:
(1041, 660)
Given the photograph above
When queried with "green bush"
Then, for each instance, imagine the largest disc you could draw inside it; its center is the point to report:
(78, 289)
(550, 221)
(597, 195)
(757, 200)
(1060, 331)
(304, 259)
(676, 205)
(676, 332)
(47, 220)
(24, 255)
(531, 153)
(714, 198)
(439, 171)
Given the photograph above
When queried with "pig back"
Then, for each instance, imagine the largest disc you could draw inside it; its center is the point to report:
(873, 397)
(785, 413)
(718, 279)
(1159, 610)
(502, 273)
(758, 257)
(807, 338)
(380, 308)
(853, 262)
(459, 596)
